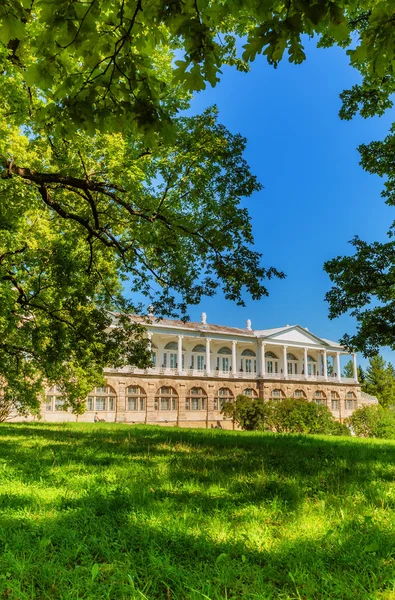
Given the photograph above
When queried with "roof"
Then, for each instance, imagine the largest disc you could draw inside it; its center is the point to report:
(192, 325)
(212, 328)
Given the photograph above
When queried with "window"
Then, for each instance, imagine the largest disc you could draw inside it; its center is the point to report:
(320, 398)
(102, 398)
(170, 356)
(312, 366)
(249, 392)
(223, 395)
(166, 399)
(55, 400)
(223, 362)
(334, 401)
(135, 398)
(59, 403)
(272, 363)
(277, 395)
(224, 350)
(350, 402)
(100, 403)
(292, 364)
(248, 364)
(299, 394)
(196, 399)
(198, 357)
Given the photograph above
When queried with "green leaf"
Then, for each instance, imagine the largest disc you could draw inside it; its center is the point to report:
(373, 547)
(95, 572)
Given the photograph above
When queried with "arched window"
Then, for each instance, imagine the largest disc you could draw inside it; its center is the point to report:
(277, 394)
(135, 398)
(223, 395)
(292, 364)
(335, 401)
(198, 358)
(271, 362)
(224, 350)
(170, 356)
(299, 394)
(199, 348)
(320, 398)
(248, 361)
(166, 399)
(350, 403)
(223, 363)
(312, 366)
(171, 346)
(249, 392)
(55, 399)
(248, 353)
(101, 399)
(196, 399)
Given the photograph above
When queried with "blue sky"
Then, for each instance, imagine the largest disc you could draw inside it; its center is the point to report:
(316, 197)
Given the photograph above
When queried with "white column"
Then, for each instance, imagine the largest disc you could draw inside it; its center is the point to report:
(354, 356)
(339, 375)
(234, 359)
(179, 356)
(306, 370)
(149, 337)
(285, 364)
(325, 365)
(318, 362)
(262, 357)
(208, 366)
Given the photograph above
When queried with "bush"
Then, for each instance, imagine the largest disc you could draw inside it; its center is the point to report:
(249, 413)
(373, 421)
(297, 415)
(291, 415)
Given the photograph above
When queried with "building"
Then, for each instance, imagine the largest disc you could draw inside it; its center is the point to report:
(198, 366)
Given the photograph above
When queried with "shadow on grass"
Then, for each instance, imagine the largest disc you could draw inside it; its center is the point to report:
(194, 455)
(163, 561)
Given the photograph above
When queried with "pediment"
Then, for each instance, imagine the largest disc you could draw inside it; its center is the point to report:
(296, 335)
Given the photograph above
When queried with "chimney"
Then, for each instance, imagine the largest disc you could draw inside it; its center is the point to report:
(204, 318)
(248, 324)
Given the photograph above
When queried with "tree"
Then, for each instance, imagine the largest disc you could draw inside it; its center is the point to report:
(348, 370)
(364, 421)
(84, 217)
(379, 381)
(373, 421)
(249, 413)
(361, 375)
(103, 185)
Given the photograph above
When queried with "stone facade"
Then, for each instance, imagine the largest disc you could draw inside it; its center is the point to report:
(196, 367)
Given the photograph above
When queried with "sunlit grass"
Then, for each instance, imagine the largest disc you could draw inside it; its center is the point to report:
(112, 511)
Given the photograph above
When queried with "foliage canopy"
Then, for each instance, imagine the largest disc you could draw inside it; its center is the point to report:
(104, 186)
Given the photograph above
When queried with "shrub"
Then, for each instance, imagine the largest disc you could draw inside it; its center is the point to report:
(373, 421)
(291, 415)
(297, 415)
(249, 413)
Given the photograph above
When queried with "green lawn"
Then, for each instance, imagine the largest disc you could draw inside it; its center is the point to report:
(112, 511)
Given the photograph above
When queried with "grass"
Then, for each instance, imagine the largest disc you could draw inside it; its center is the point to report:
(112, 511)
